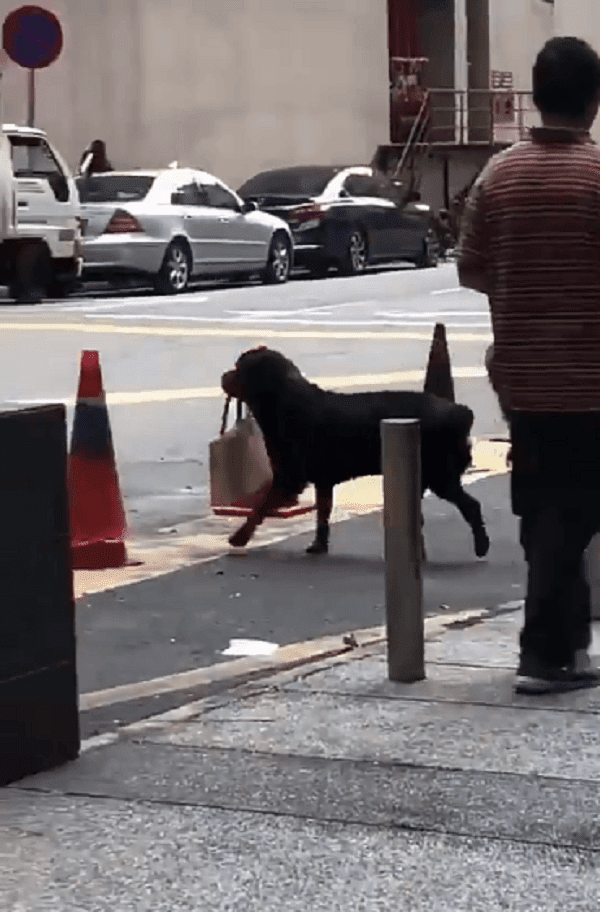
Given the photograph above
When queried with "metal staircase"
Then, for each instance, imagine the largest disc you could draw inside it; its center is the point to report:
(416, 149)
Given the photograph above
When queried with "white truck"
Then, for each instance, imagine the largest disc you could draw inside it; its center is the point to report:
(40, 226)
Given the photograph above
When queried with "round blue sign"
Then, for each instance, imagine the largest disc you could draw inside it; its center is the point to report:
(32, 37)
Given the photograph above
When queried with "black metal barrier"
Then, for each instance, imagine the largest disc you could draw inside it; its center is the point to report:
(39, 721)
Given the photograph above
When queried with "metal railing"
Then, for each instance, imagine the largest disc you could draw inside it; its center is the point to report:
(480, 117)
(418, 134)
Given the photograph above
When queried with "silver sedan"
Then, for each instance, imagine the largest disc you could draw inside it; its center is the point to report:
(175, 224)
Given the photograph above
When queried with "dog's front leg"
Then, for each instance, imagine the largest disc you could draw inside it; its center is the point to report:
(324, 507)
(274, 499)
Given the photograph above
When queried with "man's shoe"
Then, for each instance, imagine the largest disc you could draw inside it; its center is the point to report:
(537, 677)
(581, 668)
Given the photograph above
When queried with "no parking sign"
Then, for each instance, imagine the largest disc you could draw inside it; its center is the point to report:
(33, 38)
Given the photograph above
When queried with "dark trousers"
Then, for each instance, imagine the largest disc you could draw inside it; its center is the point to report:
(556, 492)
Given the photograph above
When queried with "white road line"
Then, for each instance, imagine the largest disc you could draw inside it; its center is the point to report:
(457, 288)
(432, 313)
(288, 321)
(324, 309)
(92, 307)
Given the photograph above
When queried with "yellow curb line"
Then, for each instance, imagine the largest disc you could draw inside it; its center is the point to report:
(239, 671)
(160, 557)
(149, 397)
(242, 332)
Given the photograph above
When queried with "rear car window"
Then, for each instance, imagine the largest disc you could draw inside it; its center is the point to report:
(113, 188)
(295, 182)
(33, 158)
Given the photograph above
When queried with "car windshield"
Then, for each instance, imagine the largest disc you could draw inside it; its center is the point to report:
(112, 188)
(288, 182)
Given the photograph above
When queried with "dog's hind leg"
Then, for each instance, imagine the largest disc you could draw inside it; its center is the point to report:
(470, 510)
(324, 507)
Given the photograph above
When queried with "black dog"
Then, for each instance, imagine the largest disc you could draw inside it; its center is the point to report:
(324, 438)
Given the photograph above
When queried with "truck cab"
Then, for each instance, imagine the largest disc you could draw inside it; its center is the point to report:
(40, 216)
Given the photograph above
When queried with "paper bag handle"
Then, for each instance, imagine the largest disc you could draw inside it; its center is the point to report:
(226, 413)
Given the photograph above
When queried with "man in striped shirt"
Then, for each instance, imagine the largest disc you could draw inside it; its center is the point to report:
(530, 241)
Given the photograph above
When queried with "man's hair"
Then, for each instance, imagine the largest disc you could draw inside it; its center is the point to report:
(566, 78)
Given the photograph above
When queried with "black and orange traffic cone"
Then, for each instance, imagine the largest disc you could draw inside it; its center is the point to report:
(438, 379)
(97, 513)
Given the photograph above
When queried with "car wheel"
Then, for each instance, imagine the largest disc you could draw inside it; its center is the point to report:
(429, 255)
(174, 275)
(357, 254)
(63, 287)
(279, 264)
(32, 274)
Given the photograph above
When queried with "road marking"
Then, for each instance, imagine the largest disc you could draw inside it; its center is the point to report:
(439, 291)
(294, 321)
(141, 397)
(92, 306)
(408, 314)
(324, 309)
(241, 332)
(194, 544)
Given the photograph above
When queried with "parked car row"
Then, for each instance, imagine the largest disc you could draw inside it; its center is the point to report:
(172, 225)
(177, 224)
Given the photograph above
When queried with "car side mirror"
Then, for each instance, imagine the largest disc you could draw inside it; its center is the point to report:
(249, 206)
(344, 193)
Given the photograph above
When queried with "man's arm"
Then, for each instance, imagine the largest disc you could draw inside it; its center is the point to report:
(473, 252)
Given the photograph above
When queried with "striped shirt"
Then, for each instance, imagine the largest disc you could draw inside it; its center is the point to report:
(532, 227)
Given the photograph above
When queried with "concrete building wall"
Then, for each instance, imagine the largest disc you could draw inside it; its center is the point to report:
(518, 30)
(233, 86)
(581, 19)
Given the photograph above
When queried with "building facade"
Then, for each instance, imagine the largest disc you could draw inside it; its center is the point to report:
(237, 86)
(232, 86)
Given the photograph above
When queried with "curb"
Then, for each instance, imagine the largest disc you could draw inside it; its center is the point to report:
(241, 671)
(319, 654)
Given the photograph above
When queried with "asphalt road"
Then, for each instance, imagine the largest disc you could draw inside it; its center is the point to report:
(162, 358)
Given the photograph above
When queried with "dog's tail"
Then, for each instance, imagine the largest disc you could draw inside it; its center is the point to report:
(443, 414)
(463, 419)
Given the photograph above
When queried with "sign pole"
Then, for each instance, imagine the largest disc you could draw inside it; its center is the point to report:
(31, 98)
(33, 38)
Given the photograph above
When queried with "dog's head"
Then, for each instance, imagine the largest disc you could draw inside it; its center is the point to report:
(258, 371)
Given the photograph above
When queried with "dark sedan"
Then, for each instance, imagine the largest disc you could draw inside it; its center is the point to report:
(345, 217)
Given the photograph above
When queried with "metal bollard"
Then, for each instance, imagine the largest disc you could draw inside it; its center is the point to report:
(401, 468)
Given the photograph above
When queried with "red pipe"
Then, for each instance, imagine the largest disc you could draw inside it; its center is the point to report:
(404, 36)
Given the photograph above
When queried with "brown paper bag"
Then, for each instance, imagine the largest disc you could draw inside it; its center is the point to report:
(240, 469)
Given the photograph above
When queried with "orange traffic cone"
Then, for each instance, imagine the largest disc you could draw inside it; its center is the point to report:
(438, 379)
(97, 512)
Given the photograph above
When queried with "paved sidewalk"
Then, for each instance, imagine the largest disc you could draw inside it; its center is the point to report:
(277, 593)
(329, 788)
